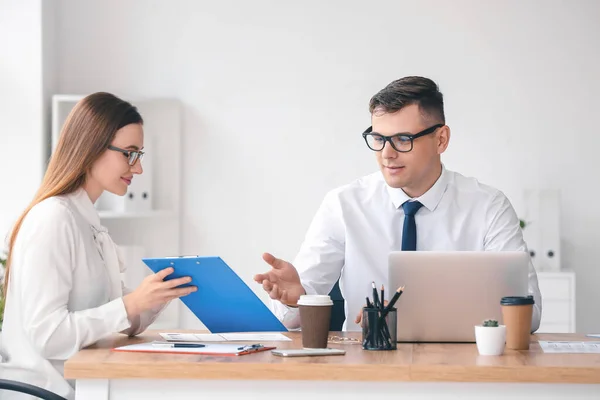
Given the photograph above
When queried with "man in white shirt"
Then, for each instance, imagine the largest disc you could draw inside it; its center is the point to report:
(412, 203)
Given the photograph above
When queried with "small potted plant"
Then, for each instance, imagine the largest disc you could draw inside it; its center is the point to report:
(490, 338)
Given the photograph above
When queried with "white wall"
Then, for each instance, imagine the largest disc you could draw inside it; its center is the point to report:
(276, 97)
(22, 150)
(49, 72)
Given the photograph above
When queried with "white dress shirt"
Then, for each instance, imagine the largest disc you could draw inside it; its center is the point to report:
(64, 293)
(359, 224)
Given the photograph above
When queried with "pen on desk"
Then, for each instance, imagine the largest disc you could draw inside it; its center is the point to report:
(178, 345)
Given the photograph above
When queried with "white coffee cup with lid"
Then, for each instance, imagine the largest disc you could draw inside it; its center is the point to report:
(315, 318)
(315, 300)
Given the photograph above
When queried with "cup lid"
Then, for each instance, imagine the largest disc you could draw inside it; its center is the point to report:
(517, 300)
(314, 300)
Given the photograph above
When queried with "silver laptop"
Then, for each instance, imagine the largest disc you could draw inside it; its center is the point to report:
(447, 293)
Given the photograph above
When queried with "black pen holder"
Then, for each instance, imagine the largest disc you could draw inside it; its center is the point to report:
(379, 329)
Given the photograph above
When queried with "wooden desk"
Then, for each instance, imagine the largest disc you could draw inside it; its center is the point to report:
(438, 370)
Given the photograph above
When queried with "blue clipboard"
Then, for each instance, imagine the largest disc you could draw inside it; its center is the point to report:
(223, 301)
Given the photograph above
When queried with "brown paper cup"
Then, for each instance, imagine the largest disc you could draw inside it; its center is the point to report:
(315, 316)
(516, 314)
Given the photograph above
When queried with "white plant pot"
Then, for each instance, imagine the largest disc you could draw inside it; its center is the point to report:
(490, 339)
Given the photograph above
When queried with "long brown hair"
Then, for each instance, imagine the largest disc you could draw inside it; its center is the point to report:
(87, 132)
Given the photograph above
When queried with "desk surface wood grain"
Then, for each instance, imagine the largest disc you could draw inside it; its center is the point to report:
(410, 362)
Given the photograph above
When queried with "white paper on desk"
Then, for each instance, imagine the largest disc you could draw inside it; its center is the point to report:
(570, 347)
(192, 337)
(253, 337)
(593, 335)
(214, 348)
(224, 337)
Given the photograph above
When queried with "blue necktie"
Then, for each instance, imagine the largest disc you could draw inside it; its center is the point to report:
(409, 231)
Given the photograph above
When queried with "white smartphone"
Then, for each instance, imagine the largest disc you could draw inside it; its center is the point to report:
(308, 352)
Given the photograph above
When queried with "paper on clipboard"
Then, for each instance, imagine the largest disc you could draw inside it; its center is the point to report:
(214, 349)
(224, 337)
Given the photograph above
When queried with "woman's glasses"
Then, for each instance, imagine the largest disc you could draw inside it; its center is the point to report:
(132, 155)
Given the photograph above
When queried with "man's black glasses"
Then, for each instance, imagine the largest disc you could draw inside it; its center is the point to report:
(401, 142)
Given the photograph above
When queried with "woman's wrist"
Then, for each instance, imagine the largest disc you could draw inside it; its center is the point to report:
(130, 306)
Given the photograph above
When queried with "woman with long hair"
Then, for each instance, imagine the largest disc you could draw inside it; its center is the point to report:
(63, 284)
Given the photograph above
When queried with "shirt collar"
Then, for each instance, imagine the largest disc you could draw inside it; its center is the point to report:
(430, 199)
(84, 205)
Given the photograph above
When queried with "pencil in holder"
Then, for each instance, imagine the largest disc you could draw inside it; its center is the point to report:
(379, 329)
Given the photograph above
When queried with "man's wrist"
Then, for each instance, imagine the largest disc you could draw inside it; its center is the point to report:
(296, 305)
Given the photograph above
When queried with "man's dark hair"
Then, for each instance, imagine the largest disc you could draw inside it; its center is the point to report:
(411, 90)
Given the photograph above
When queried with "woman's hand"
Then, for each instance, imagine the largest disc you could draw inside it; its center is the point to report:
(154, 291)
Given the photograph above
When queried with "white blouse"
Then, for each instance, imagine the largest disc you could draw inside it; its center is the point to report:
(65, 292)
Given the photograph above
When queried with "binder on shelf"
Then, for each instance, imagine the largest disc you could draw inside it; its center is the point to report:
(140, 195)
(542, 230)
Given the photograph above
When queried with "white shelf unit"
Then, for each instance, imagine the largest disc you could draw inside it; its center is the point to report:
(558, 301)
(134, 215)
(62, 105)
(154, 232)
